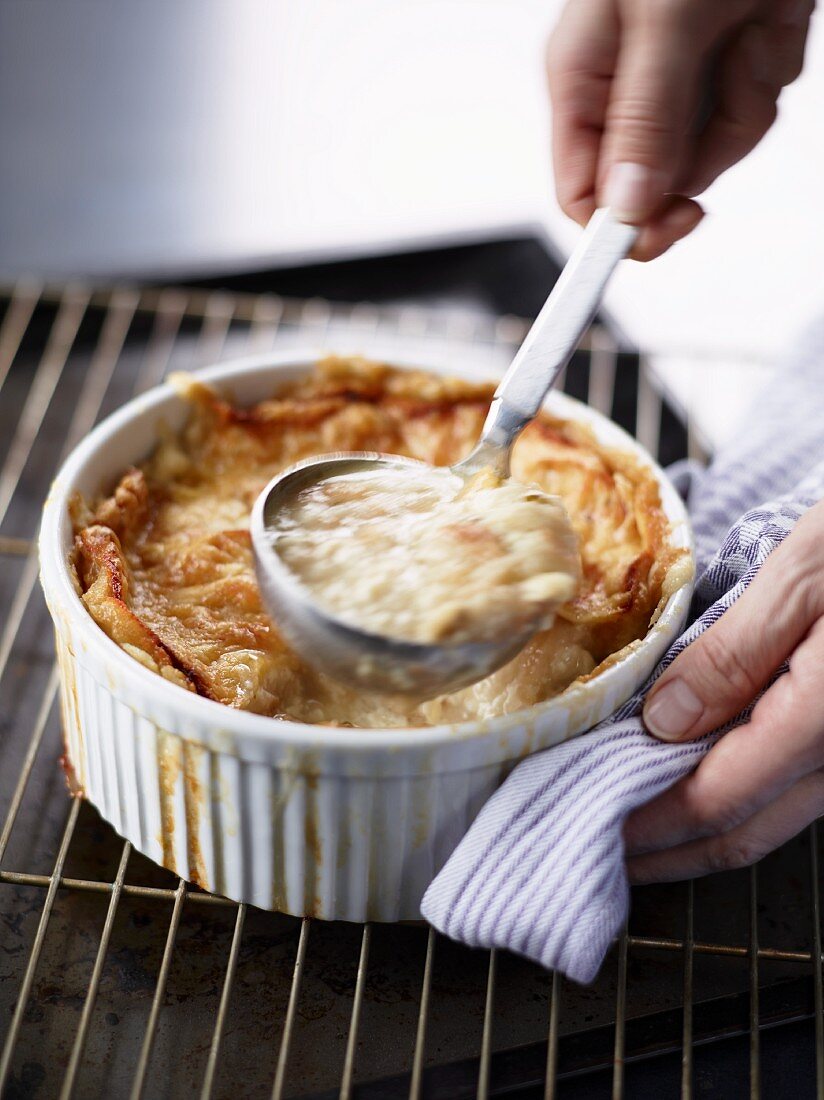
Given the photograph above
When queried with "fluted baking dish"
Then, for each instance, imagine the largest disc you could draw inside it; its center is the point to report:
(335, 823)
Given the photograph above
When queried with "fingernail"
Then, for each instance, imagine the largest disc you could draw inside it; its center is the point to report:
(632, 190)
(683, 218)
(672, 710)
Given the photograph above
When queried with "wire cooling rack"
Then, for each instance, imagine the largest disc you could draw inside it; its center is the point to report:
(117, 979)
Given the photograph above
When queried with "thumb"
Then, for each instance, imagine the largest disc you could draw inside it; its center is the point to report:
(723, 670)
(653, 99)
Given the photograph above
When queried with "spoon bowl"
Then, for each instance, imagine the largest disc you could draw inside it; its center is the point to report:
(373, 661)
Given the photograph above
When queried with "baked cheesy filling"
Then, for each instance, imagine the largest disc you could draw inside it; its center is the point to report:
(422, 554)
(164, 564)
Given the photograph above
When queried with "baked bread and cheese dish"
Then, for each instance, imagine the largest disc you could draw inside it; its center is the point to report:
(164, 564)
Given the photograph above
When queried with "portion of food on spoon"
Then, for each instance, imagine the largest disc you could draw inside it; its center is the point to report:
(424, 555)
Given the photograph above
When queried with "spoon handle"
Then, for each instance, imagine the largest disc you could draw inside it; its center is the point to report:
(559, 326)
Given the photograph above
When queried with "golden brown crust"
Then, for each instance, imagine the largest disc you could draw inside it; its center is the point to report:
(106, 585)
(165, 566)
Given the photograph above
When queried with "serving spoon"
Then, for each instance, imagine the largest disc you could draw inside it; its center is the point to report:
(386, 664)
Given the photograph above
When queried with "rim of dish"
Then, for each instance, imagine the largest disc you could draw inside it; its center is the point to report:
(220, 717)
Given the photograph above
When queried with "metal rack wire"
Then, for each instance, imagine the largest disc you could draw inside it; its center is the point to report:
(373, 1011)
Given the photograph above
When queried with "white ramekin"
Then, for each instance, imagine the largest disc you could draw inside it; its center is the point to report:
(340, 824)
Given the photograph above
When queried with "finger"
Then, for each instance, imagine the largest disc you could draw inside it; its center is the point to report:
(653, 98)
(740, 847)
(676, 220)
(725, 668)
(787, 24)
(580, 63)
(754, 67)
(749, 767)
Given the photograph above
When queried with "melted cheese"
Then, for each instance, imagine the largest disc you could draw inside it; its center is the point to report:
(420, 554)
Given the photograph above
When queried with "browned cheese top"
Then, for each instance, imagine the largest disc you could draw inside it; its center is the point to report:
(164, 564)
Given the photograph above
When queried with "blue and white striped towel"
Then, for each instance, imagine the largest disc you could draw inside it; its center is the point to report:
(541, 871)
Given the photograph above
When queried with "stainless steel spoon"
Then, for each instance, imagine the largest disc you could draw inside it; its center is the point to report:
(390, 664)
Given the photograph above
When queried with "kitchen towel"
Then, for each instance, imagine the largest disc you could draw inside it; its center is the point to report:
(541, 870)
